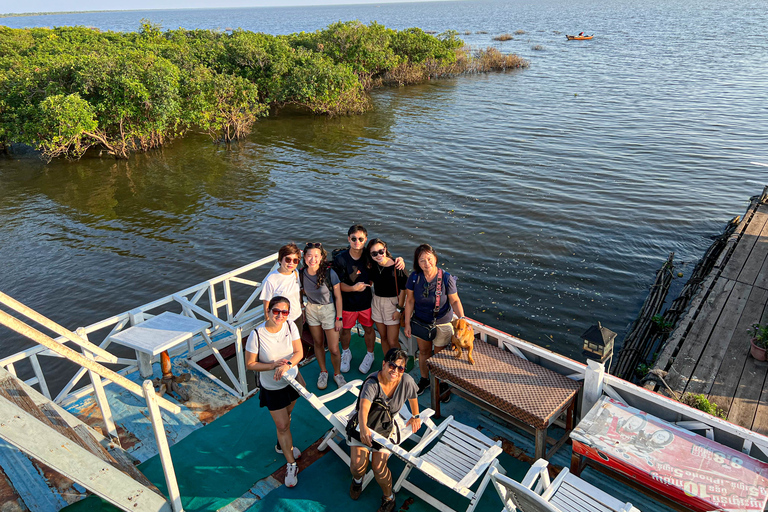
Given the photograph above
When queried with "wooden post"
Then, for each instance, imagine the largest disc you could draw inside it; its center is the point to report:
(162, 446)
(594, 375)
(58, 329)
(64, 351)
(101, 397)
(241, 374)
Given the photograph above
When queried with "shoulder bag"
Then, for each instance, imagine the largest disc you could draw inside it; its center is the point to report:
(380, 418)
(421, 329)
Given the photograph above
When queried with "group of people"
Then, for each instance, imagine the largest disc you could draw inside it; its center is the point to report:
(363, 284)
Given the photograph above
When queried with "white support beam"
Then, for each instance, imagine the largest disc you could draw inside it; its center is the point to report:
(162, 446)
(43, 443)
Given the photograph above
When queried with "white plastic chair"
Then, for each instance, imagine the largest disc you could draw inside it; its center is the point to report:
(454, 455)
(566, 493)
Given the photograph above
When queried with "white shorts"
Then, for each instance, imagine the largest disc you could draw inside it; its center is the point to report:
(382, 309)
(321, 314)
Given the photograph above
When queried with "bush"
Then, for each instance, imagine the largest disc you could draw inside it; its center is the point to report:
(503, 37)
(701, 403)
(67, 89)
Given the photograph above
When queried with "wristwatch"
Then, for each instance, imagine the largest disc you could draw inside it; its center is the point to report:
(416, 416)
(339, 319)
(400, 308)
(290, 363)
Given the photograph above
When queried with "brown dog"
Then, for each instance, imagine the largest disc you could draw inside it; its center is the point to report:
(463, 338)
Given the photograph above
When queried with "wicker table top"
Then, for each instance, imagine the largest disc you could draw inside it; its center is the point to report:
(526, 391)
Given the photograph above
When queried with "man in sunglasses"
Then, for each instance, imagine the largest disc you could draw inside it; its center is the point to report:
(356, 296)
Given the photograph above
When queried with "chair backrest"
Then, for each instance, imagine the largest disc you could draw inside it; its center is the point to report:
(515, 496)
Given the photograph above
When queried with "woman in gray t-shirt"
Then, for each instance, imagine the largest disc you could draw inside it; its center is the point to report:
(395, 386)
(320, 286)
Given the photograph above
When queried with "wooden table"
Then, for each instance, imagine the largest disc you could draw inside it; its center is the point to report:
(510, 387)
(156, 335)
(688, 471)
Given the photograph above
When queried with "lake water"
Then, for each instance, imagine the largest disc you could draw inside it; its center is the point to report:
(554, 193)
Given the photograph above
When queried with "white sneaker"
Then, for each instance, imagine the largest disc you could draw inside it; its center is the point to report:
(340, 380)
(296, 451)
(365, 366)
(346, 360)
(322, 380)
(291, 474)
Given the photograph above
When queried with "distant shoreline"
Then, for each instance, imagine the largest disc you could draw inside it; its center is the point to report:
(16, 15)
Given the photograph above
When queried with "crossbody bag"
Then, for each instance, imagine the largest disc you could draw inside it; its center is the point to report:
(421, 329)
(380, 418)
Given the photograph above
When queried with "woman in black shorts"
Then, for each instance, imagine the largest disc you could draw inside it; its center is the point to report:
(273, 349)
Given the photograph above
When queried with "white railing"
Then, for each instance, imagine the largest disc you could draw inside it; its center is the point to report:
(597, 382)
(228, 317)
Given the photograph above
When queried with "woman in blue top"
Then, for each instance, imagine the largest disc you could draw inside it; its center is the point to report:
(420, 301)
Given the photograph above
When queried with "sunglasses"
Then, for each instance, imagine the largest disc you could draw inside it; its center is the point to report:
(393, 366)
(357, 239)
(314, 245)
(288, 259)
(278, 312)
(381, 252)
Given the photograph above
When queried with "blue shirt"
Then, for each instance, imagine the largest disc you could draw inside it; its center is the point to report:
(424, 307)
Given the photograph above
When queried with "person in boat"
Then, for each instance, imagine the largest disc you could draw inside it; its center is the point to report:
(284, 281)
(431, 299)
(320, 285)
(356, 297)
(388, 293)
(273, 349)
(392, 385)
(581, 34)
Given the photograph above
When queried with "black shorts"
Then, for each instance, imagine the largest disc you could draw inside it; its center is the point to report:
(277, 399)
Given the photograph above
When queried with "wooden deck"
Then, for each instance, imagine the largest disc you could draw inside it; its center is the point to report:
(708, 353)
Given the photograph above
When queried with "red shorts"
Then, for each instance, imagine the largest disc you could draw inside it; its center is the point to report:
(349, 318)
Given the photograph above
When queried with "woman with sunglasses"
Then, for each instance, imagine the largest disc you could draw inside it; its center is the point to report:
(273, 349)
(284, 281)
(388, 293)
(320, 285)
(421, 301)
(394, 387)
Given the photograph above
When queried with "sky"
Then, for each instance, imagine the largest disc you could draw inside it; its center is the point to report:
(33, 6)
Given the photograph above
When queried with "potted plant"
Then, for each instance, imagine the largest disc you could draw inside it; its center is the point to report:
(759, 341)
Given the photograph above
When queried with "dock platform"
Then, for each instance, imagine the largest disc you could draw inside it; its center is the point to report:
(708, 352)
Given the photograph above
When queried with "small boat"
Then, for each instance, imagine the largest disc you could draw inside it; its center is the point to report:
(579, 38)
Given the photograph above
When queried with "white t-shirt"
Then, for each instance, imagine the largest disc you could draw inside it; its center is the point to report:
(284, 285)
(269, 347)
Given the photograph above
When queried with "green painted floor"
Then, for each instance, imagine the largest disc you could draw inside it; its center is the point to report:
(219, 463)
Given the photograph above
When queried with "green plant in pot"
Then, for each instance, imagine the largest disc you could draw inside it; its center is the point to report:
(759, 341)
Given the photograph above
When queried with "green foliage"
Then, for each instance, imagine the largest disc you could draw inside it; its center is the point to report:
(701, 403)
(661, 324)
(759, 335)
(642, 370)
(67, 89)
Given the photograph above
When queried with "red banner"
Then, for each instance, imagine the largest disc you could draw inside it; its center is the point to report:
(689, 468)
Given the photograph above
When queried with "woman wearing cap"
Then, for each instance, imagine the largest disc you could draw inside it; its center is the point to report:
(273, 349)
(394, 386)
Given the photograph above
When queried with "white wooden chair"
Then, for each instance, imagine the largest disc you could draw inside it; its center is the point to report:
(338, 420)
(454, 455)
(566, 493)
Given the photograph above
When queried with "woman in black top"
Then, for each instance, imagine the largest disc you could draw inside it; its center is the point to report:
(388, 293)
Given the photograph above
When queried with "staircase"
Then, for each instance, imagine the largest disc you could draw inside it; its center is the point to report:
(48, 434)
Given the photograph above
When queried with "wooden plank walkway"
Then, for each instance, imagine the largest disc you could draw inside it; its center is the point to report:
(708, 353)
